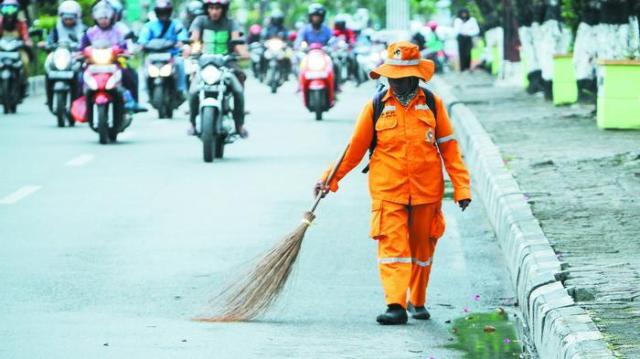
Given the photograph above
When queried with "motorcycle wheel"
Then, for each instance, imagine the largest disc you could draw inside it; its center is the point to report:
(103, 124)
(316, 101)
(61, 108)
(158, 100)
(209, 139)
(6, 96)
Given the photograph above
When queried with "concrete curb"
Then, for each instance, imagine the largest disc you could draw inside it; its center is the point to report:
(558, 327)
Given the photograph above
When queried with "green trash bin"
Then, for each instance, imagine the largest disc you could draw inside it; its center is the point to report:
(565, 85)
(619, 94)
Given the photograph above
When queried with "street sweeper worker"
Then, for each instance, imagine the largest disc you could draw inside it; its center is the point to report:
(405, 177)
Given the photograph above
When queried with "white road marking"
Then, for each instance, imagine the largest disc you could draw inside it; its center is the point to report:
(80, 160)
(19, 194)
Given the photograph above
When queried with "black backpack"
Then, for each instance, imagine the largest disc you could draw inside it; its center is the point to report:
(378, 106)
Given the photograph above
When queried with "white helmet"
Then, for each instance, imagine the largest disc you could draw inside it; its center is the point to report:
(70, 9)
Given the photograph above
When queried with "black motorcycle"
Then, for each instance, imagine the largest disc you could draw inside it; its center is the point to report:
(215, 104)
(11, 73)
(278, 64)
(161, 77)
(61, 71)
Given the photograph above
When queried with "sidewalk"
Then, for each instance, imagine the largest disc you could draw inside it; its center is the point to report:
(582, 184)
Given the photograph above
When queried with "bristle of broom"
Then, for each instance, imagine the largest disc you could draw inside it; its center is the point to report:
(254, 292)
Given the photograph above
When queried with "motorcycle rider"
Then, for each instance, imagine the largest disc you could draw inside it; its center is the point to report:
(276, 26)
(11, 26)
(315, 32)
(215, 30)
(69, 28)
(105, 30)
(193, 10)
(168, 29)
(255, 34)
(340, 30)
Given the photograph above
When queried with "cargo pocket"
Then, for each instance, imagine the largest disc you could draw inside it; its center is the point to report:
(437, 226)
(376, 219)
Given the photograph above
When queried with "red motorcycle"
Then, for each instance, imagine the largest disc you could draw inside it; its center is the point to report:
(317, 81)
(104, 96)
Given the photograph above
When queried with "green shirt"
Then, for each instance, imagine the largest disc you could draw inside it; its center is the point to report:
(215, 35)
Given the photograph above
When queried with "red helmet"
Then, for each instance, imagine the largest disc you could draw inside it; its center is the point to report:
(433, 25)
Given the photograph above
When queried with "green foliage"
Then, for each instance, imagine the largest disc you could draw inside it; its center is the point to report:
(476, 340)
(570, 14)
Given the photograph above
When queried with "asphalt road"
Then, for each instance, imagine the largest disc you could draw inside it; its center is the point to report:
(109, 251)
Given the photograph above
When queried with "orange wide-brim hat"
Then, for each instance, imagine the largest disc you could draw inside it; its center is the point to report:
(404, 60)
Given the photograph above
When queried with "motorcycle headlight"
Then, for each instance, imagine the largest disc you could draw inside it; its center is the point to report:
(165, 71)
(101, 56)
(61, 59)
(275, 45)
(210, 75)
(153, 71)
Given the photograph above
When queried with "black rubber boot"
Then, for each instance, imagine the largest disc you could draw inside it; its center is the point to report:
(532, 87)
(420, 313)
(394, 315)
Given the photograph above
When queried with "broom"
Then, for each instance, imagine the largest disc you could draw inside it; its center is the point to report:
(254, 292)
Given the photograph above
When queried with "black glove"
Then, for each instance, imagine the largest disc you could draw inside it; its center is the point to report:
(464, 203)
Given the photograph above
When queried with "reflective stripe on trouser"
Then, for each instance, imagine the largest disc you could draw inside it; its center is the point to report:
(407, 237)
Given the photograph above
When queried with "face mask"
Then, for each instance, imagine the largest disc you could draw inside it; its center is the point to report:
(403, 86)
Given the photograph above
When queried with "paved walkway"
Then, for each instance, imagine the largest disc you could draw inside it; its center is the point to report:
(583, 185)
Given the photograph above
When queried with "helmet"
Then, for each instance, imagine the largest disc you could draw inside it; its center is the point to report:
(9, 8)
(102, 9)
(117, 8)
(340, 22)
(194, 8)
(223, 3)
(69, 9)
(433, 25)
(163, 7)
(255, 29)
(316, 9)
(277, 18)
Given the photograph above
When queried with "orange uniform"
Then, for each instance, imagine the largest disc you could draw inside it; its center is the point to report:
(406, 185)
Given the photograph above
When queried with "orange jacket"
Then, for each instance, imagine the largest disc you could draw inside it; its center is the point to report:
(406, 166)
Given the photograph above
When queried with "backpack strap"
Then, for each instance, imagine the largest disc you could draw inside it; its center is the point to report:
(378, 106)
(165, 28)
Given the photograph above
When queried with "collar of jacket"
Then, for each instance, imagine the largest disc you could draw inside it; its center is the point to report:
(419, 95)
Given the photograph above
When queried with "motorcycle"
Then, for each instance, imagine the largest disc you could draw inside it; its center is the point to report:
(317, 81)
(368, 57)
(256, 51)
(214, 103)
(340, 52)
(104, 95)
(161, 77)
(438, 57)
(11, 73)
(277, 70)
(61, 69)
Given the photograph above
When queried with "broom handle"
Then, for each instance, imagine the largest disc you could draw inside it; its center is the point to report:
(329, 179)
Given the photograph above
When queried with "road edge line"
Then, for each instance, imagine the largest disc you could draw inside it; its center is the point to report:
(558, 327)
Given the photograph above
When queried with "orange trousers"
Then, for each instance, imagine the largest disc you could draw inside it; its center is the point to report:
(407, 237)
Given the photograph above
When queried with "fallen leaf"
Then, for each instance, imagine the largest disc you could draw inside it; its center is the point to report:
(105, 344)
(448, 321)
(489, 329)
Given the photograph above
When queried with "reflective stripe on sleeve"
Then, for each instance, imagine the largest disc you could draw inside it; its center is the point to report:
(446, 139)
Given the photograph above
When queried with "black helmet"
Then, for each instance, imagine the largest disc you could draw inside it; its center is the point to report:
(277, 18)
(163, 7)
(316, 9)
